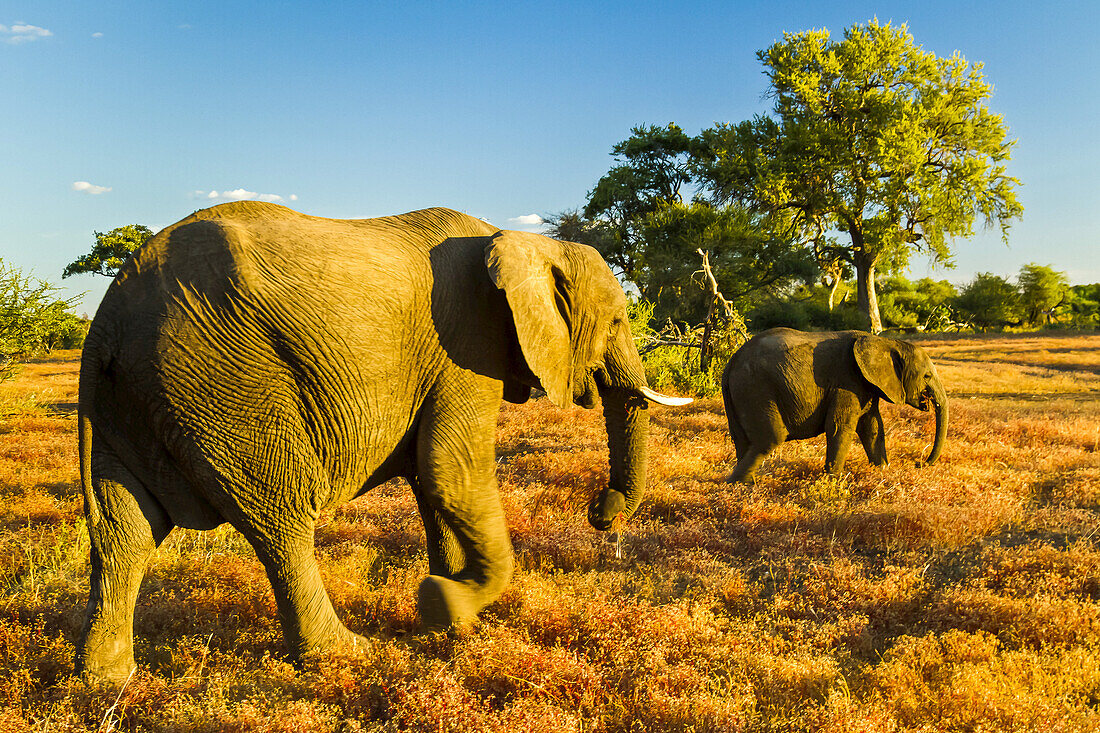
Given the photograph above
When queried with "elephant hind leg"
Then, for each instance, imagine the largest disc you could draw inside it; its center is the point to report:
(306, 614)
(127, 528)
(749, 461)
(755, 437)
(841, 418)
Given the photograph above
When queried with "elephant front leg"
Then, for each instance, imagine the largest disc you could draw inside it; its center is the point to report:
(445, 556)
(460, 504)
(872, 433)
(841, 417)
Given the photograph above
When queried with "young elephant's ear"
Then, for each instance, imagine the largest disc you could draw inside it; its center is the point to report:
(525, 266)
(881, 363)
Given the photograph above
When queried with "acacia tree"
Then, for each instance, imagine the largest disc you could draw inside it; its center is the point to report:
(637, 218)
(32, 318)
(110, 251)
(874, 137)
(652, 166)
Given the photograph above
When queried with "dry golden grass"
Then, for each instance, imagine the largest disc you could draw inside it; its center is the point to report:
(960, 597)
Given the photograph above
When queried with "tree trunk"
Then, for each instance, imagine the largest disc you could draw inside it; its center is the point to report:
(832, 291)
(866, 297)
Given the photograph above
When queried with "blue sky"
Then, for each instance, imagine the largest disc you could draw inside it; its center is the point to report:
(134, 112)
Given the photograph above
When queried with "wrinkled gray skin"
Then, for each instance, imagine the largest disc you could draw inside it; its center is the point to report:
(790, 385)
(257, 366)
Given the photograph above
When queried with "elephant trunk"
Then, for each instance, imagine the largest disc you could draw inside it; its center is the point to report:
(627, 421)
(939, 404)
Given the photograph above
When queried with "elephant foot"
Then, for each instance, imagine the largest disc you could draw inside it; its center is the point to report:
(444, 603)
(105, 661)
(114, 674)
(349, 640)
(336, 638)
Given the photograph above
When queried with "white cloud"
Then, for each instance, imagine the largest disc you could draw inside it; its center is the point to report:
(90, 188)
(239, 194)
(528, 222)
(97, 34)
(21, 32)
(242, 194)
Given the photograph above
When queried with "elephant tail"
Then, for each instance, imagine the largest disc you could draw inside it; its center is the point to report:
(90, 368)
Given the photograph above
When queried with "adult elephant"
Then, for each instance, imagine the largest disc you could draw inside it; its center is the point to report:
(789, 385)
(257, 366)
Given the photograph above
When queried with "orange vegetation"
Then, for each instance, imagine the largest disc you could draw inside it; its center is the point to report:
(960, 597)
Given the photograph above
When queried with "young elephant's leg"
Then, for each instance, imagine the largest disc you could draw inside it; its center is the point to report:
(457, 477)
(755, 435)
(125, 525)
(841, 417)
(872, 433)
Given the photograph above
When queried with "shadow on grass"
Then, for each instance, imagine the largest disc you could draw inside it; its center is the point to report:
(1082, 396)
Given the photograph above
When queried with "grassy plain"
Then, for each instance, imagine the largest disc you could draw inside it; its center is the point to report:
(960, 597)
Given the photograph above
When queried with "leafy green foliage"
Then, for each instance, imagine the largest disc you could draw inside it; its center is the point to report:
(873, 136)
(674, 367)
(652, 166)
(746, 254)
(637, 218)
(33, 319)
(110, 251)
(923, 305)
(1042, 289)
(1083, 306)
(810, 314)
(989, 301)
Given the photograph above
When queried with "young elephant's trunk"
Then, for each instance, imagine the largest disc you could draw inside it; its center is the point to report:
(627, 421)
(939, 404)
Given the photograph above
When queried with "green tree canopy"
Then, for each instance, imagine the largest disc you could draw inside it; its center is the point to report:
(922, 305)
(874, 137)
(989, 301)
(1083, 305)
(110, 251)
(1042, 289)
(747, 256)
(637, 218)
(652, 166)
(32, 318)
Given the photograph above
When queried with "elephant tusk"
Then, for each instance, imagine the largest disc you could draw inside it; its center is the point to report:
(663, 399)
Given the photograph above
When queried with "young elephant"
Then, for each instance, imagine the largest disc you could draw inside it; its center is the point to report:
(790, 385)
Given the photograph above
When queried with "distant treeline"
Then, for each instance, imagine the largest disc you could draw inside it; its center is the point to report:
(1040, 297)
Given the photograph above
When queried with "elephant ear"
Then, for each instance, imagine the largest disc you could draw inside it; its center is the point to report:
(525, 266)
(881, 364)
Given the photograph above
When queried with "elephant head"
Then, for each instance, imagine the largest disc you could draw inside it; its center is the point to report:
(573, 331)
(903, 373)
